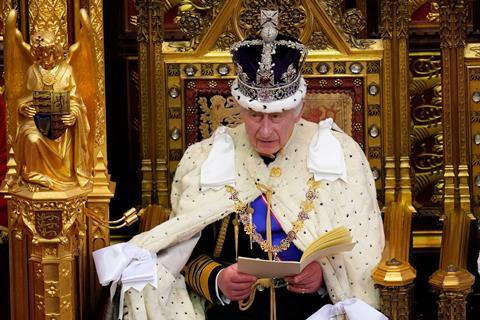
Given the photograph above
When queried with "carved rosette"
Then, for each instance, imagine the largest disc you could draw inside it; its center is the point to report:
(191, 23)
(194, 20)
(318, 41)
(225, 41)
(351, 22)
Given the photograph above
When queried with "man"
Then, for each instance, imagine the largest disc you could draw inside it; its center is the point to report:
(267, 188)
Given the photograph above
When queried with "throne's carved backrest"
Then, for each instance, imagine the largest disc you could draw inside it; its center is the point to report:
(343, 73)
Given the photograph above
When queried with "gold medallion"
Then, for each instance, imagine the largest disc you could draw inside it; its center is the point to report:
(275, 172)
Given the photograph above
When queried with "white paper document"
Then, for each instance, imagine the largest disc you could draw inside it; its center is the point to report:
(279, 269)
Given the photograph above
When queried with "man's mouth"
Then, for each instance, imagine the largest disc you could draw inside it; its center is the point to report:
(266, 141)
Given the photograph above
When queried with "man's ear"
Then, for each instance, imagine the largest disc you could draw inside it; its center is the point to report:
(300, 113)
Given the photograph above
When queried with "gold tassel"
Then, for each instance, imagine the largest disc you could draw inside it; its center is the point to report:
(263, 283)
(268, 193)
(235, 229)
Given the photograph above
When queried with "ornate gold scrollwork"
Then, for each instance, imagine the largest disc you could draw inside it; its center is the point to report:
(386, 26)
(96, 19)
(194, 17)
(142, 21)
(426, 135)
(451, 305)
(475, 73)
(429, 66)
(400, 301)
(351, 22)
(45, 15)
(453, 23)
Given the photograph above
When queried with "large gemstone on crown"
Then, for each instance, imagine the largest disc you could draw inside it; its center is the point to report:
(264, 80)
(265, 95)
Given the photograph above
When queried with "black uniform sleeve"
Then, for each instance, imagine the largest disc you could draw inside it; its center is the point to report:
(202, 268)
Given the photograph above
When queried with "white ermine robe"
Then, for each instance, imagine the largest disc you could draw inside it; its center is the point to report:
(351, 204)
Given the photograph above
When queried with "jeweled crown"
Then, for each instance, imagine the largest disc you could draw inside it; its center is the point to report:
(268, 69)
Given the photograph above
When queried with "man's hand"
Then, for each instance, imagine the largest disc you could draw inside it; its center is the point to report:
(69, 119)
(235, 285)
(307, 281)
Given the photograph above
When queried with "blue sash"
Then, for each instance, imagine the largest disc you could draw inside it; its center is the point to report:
(259, 207)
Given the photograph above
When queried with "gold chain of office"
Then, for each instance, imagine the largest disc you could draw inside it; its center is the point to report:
(244, 211)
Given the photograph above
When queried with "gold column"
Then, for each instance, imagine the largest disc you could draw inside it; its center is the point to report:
(394, 275)
(53, 15)
(452, 281)
(98, 235)
(155, 182)
(48, 227)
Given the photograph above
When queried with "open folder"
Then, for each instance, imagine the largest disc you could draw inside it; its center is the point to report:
(335, 241)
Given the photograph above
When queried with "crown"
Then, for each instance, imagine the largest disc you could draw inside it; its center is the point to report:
(269, 69)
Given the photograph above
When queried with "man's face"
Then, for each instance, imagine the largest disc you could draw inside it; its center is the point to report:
(269, 132)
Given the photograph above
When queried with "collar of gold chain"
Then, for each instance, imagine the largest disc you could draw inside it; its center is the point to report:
(245, 213)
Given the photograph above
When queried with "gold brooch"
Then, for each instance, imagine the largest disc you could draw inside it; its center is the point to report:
(275, 172)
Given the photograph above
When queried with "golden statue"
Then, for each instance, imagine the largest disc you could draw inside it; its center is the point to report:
(51, 98)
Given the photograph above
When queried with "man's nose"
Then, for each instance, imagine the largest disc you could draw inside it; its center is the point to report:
(266, 126)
